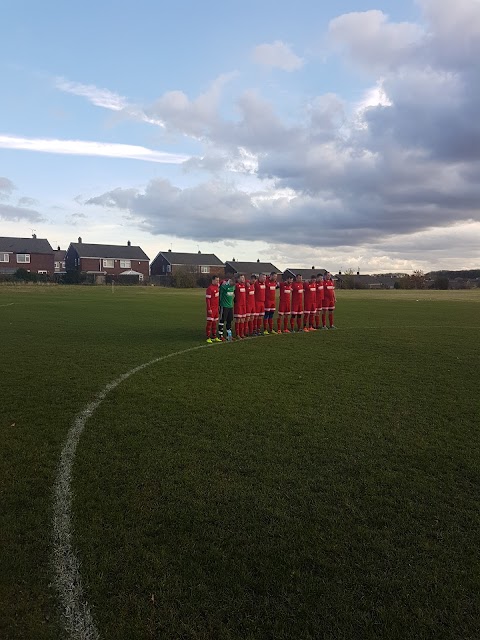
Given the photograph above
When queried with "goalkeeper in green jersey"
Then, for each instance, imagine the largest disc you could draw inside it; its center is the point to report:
(227, 294)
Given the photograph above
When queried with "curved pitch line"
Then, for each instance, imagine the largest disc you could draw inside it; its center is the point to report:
(78, 619)
(10, 304)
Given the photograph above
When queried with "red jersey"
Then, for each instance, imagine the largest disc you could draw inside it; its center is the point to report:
(250, 294)
(319, 293)
(212, 300)
(297, 297)
(285, 298)
(240, 301)
(270, 294)
(260, 291)
(329, 289)
(310, 296)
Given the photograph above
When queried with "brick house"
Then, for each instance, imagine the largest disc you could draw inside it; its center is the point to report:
(59, 261)
(232, 268)
(100, 260)
(167, 263)
(33, 254)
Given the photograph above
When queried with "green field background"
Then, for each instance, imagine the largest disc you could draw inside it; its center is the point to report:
(306, 486)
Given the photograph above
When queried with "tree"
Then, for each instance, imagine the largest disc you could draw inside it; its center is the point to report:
(184, 278)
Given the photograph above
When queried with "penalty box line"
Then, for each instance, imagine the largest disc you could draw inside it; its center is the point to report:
(78, 619)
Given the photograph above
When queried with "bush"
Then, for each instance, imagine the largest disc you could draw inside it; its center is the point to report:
(184, 279)
(25, 276)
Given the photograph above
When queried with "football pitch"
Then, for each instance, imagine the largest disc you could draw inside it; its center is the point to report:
(304, 486)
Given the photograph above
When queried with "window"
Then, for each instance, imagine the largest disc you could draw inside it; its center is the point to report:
(23, 257)
(125, 264)
(204, 269)
(169, 268)
(57, 265)
(63, 264)
(4, 257)
(108, 264)
(44, 273)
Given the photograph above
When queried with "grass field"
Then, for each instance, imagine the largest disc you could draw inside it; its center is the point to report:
(307, 486)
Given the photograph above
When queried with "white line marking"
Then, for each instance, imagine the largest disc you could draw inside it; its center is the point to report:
(78, 619)
(7, 305)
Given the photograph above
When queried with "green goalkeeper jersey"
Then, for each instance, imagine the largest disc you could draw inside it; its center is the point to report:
(227, 294)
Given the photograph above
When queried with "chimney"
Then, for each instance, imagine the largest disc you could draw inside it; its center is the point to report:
(339, 273)
(169, 251)
(129, 244)
(233, 259)
(313, 267)
(79, 240)
(358, 273)
(258, 259)
(58, 248)
(199, 252)
(34, 236)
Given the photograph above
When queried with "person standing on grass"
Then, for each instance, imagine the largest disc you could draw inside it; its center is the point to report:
(310, 303)
(227, 294)
(250, 320)
(270, 292)
(212, 299)
(297, 303)
(240, 306)
(260, 292)
(328, 301)
(285, 305)
(319, 300)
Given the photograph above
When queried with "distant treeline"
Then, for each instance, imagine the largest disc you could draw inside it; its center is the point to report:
(469, 274)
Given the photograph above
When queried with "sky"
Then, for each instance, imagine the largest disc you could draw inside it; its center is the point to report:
(340, 135)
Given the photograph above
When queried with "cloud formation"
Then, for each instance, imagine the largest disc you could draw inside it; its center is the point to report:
(17, 213)
(277, 55)
(397, 167)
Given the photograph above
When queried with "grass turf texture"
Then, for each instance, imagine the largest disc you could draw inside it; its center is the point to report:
(332, 493)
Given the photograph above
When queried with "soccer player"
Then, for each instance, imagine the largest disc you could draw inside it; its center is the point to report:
(272, 286)
(328, 301)
(240, 306)
(310, 303)
(227, 293)
(297, 303)
(285, 306)
(260, 292)
(319, 300)
(212, 298)
(250, 310)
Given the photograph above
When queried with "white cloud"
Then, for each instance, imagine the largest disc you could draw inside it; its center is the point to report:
(88, 148)
(6, 188)
(105, 99)
(277, 55)
(372, 41)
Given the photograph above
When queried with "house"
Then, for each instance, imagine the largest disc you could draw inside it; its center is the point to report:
(305, 273)
(232, 268)
(59, 261)
(102, 260)
(167, 263)
(33, 254)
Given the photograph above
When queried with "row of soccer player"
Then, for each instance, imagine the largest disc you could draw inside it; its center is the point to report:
(251, 303)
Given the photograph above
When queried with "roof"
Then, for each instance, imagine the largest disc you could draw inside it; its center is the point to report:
(60, 255)
(251, 267)
(305, 273)
(131, 272)
(25, 245)
(192, 259)
(126, 252)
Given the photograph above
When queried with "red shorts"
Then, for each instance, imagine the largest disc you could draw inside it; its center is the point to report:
(240, 311)
(297, 308)
(319, 304)
(212, 316)
(285, 308)
(259, 308)
(328, 304)
(310, 307)
(270, 307)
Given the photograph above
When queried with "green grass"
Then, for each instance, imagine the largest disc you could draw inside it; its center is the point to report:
(303, 486)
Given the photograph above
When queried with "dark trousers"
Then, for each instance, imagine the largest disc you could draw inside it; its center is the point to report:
(226, 318)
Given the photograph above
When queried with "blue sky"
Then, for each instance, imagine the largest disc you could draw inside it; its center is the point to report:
(339, 135)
